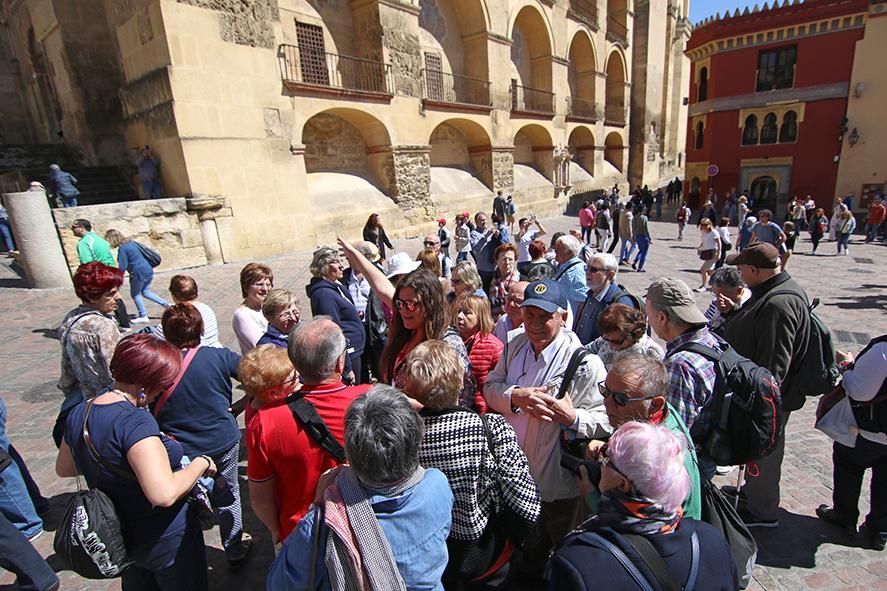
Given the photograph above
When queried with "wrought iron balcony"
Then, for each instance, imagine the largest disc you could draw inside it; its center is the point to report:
(531, 100)
(585, 11)
(309, 67)
(614, 115)
(443, 87)
(617, 31)
(580, 108)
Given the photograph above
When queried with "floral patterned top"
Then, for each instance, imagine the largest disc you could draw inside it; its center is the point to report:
(88, 340)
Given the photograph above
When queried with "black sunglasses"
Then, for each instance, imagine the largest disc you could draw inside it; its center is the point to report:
(620, 398)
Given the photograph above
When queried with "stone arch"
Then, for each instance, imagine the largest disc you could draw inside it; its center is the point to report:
(461, 159)
(455, 30)
(702, 89)
(617, 20)
(581, 144)
(582, 75)
(533, 152)
(616, 80)
(531, 57)
(614, 151)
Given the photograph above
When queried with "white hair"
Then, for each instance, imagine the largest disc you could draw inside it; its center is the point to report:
(571, 243)
(607, 260)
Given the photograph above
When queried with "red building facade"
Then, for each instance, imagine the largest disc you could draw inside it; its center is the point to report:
(768, 100)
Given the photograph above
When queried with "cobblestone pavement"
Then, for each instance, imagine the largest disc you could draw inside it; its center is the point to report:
(803, 553)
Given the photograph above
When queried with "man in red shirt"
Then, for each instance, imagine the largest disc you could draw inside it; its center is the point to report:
(877, 213)
(285, 462)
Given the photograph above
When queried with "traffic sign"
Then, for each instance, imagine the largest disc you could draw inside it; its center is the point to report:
(713, 170)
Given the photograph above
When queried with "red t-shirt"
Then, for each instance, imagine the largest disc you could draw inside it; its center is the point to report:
(279, 448)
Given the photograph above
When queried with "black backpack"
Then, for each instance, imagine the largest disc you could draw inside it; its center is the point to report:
(636, 302)
(816, 371)
(747, 407)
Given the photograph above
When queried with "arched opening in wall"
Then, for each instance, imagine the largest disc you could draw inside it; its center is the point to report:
(700, 135)
(49, 110)
(764, 191)
(347, 159)
(531, 70)
(615, 107)
(533, 157)
(617, 21)
(453, 41)
(581, 144)
(461, 160)
(614, 151)
(769, 130)
(702, 90)
(750, 131)
(788, 131)
(694, 195)
(581, 76)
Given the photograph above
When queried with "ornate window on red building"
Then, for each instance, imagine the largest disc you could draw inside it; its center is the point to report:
(702, 93)
(776, 68)
(700, 135)
(750, 131)
(769, 130)
(788, 131)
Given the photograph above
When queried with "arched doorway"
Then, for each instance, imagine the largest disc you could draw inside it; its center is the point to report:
(581, 77)
(615, 107)
(461, 160)
(581, 144)
(531, 70)
(533, 158)
(694, 195)
(764, 191)
(614, 151)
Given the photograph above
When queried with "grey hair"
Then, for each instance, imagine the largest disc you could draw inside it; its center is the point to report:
(315, 346)
(382, 436)
(607, 260)
(54, 167)
(649, 372)
(727, 277)
(323, 257)
(278, 300)
(467, 272)
(571, 243)
(670, 316)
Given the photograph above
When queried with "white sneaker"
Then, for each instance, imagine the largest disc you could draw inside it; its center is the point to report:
(141, 320)
(723, 470)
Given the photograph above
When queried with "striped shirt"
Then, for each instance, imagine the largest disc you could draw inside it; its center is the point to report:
(691, 380)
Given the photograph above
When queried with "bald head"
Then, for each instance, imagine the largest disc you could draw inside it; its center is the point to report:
(513, 301)
(317, 350)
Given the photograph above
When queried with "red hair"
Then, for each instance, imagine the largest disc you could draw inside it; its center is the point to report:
(145, 360)
(182, 325)
(92, 280)
(537, 249)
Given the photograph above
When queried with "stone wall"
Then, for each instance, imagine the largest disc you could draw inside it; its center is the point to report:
(163, 224)
(503, 170)
(410, 175)
(449, 147)
(331, 143)
(244, 22)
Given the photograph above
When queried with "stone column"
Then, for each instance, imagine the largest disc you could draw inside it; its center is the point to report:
(208, 209)
(503, 169)
(37, 240)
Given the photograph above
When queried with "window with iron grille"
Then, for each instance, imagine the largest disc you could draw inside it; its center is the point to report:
(788, 131)
(434, 84)
(776, 68)
(769, 130)
(312, 54)
(750, 131)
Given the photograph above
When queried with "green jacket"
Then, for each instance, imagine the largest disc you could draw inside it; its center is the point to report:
(93, 247)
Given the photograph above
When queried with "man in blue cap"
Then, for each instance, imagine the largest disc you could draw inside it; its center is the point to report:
(523, 388)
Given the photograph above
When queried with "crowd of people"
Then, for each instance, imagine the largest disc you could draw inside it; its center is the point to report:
(507, 417)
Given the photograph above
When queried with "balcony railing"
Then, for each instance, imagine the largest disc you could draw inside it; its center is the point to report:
(318, 68)
(444, 87)
(531, 100)
(614, 115)
(585, 11)
(580, 108)
(616, 31)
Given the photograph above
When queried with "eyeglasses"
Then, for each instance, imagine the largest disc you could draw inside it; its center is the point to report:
(430, 243)
(620, 398)
(615, 341)
(261, 284)
(408, 305)
(593, 270)
(605, 460)
(292, 314)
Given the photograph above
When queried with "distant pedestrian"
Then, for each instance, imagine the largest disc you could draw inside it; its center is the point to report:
(499, 206)
(510, 211)
(6, 230)
(846, 225)
(786, 253)
(64, 185)
(149, 174)
(877, 214)
(658, 200)
(375, 233)
(818, 227)
(586, 221)
(682, 217)
(642, 238)
(445, 237)
(141, 274)
(726, 240)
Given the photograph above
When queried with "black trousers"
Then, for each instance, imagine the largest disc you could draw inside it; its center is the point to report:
(121, 315)
(850, 464)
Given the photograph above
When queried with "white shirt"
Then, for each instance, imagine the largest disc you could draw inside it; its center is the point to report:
(863, 382)
(724, 233)
(249, 326)
(523, 246)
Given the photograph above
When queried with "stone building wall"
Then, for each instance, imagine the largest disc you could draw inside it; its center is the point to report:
(331, 143)
(163, 224)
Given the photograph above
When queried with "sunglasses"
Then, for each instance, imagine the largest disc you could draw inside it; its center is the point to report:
(408, 305)
(620, 398)
(615, 341)
(430, 243)
(594, 270)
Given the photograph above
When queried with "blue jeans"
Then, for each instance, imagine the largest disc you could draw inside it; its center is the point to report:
(68, 201)
(6, 232)
(871, 231)
(843, 240)
(643, 247)
(626, 249)
(19, 557)
(18, 491)
(141, 286)
(152, 189)
(586, 234)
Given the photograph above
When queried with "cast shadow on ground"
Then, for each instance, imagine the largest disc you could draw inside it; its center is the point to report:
(13, 283)
(49, 333)
(807, 534)
(868, 302)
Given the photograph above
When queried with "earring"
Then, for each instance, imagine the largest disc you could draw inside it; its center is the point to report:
(142, 399)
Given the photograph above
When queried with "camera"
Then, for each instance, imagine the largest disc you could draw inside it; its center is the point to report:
(572, 463)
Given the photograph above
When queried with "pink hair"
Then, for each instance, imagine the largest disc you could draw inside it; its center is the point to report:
(652, 457)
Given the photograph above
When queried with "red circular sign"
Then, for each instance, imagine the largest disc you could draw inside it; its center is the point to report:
(712, 170)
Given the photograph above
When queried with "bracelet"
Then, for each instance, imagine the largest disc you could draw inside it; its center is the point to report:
(209, 462)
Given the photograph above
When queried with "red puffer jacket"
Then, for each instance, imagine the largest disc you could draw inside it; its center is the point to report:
(483, 352)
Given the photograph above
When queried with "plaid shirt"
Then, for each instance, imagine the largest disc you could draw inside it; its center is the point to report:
(691, 380)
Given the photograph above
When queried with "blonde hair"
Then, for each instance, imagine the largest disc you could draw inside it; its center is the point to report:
(467, 273)
(479, 306)
(433, 374)
(706, 223)
(262, 370)
(115, 238)
(277, 300)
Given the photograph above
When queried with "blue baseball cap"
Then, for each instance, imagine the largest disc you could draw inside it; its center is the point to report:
(545, 294)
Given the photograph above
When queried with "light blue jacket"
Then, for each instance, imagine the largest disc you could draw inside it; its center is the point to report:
(416, 524)
(571, 276)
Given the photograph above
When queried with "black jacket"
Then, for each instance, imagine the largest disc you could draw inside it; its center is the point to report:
(333, 300)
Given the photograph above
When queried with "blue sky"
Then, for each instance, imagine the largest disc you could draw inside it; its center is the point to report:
(701, 9)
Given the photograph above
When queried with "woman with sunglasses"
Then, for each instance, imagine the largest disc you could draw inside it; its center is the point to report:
(623, 331)
(642, 482)
(419, 314)
(256, 281)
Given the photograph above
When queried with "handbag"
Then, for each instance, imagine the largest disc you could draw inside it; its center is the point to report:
(89, 538)
(839, 423)
(720, 513)
(707, 254)
(151, 255)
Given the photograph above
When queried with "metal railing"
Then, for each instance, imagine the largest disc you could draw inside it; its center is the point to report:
(585, 11)
(451, 88)
(616, 31)
(532, 100)
(333, 70)
(614, 115)
(583, 108)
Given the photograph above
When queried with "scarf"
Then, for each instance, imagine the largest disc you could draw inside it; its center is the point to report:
(358, 556)
(633, 514)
